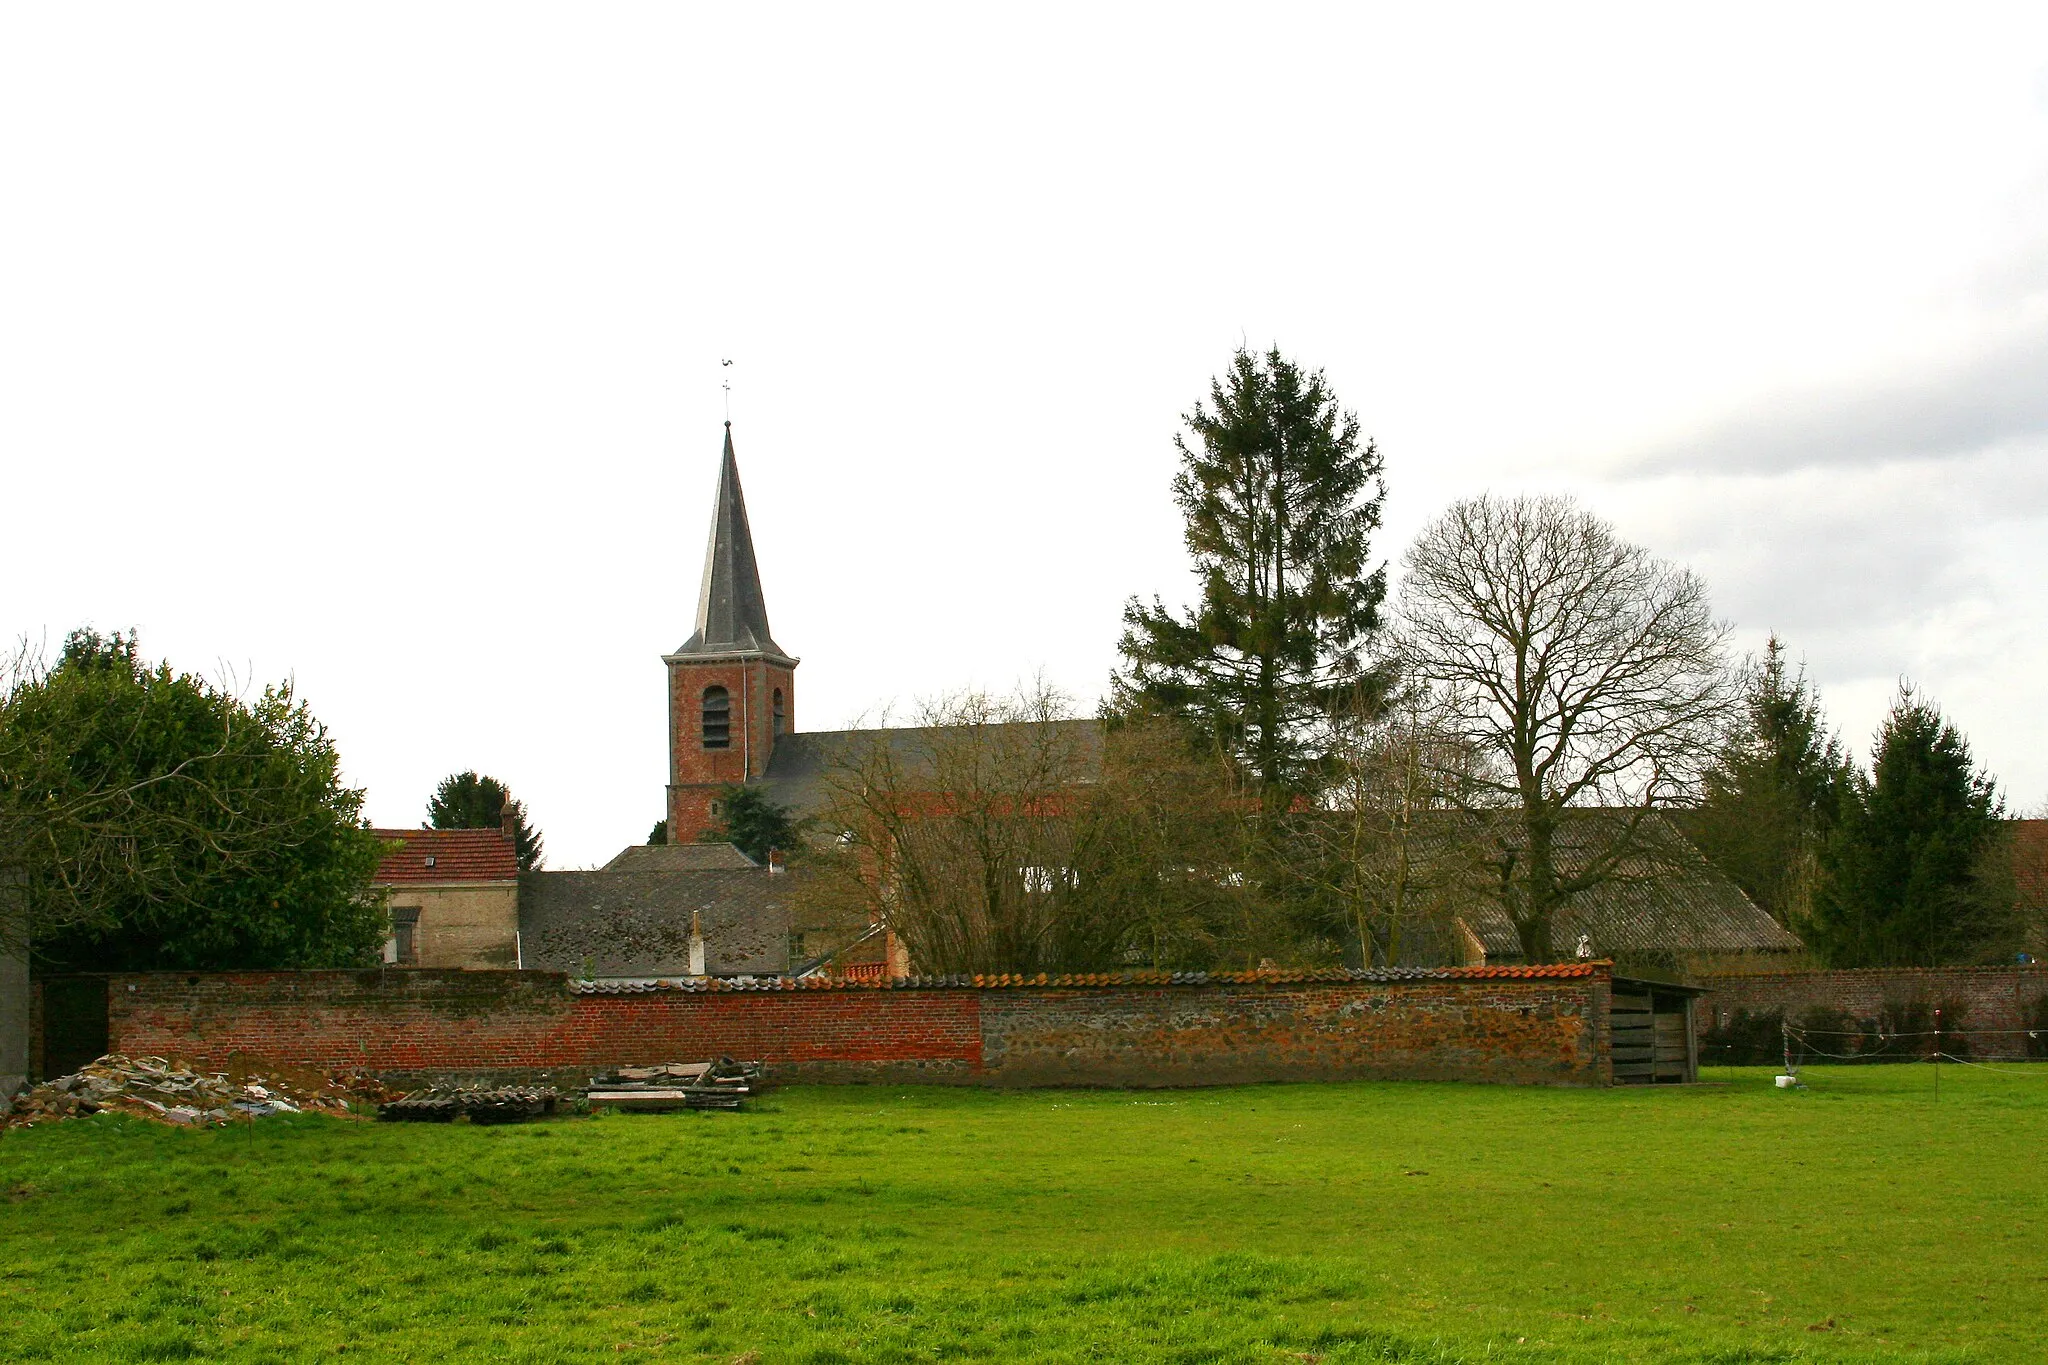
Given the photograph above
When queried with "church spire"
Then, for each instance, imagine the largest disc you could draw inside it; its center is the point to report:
(732, 616)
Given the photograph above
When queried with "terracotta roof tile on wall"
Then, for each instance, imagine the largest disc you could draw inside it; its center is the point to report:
(1284, 976)
(458, 855)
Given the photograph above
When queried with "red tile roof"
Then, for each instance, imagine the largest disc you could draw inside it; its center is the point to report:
(2030, 862)
(446, 855)
(1268, 977)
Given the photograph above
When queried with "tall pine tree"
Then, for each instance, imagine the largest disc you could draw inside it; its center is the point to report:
(1916, 872)
(1774, 790)
(466, 801)
(1281, 498)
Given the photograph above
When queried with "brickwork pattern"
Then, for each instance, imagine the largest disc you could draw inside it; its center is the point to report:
(1993, 997)
(1529, 1031)
(696, 773)
(481, 1023)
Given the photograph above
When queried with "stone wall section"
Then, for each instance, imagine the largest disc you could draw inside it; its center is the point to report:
(424, 1023)
(1517, 1031)
(1994, 998)
(463, 925)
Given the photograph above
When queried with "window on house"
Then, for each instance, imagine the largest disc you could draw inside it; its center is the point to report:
(402, 948)
(778, 710)
(717, 718)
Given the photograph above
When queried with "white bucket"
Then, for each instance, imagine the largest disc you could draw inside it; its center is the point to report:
(1786, 1082)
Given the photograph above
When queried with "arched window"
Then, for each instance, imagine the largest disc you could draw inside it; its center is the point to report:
(717, 718)
(778, 710)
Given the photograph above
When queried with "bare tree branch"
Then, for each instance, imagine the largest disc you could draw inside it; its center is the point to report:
(1591, 671)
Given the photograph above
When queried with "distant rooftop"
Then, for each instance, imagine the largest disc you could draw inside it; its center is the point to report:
(679, 858)
(637, 924)
(446, 855)
(801, 772)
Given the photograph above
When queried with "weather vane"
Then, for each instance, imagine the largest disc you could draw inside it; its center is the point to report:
(727, 386)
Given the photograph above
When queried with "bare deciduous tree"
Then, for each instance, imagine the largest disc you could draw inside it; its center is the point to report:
(1387, 843)
(1003, 834)
(1589, 670)
(953, 832)
(1162, 848)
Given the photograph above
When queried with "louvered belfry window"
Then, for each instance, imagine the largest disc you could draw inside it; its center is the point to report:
(717, 718)
(778, 710)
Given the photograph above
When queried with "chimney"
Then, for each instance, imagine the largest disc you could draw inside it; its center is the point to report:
(774, 861)
(508, 821)
(696, 945)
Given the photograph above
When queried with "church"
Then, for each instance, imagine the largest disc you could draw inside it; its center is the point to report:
(731, 688)
(732, 695)
(692, 909)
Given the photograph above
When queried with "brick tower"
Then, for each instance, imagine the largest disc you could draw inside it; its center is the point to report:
(731, 689)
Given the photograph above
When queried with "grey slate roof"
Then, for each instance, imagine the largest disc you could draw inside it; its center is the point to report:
(1672, 902)
(732, 614)
(802, 768)
(637, 924)
(679, 858)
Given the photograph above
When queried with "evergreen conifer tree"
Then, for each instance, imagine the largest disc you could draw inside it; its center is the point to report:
(1774, 790)
(1916, 872)
(467, 801)
(751, 821)
(1281, 497)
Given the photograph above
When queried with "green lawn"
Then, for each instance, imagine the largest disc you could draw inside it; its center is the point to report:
(1286, 1223)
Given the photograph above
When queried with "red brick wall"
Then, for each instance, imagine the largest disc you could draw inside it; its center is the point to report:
(420, 1023)
(1994, 998)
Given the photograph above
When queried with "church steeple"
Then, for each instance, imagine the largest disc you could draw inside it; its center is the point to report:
(731, 689)
(732, 614)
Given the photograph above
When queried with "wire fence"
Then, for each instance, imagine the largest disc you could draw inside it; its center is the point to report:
(1908, 1032)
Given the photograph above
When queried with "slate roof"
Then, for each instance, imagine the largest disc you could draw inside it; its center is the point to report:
(679, 858)
(459, 855)
(1107, 980)
(801, 769)
(1671, 901)
(637, 924)
(732, 613)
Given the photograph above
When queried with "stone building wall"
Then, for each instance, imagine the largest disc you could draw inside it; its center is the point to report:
(475, 925)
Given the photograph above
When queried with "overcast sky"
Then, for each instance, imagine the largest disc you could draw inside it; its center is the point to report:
(378, 346)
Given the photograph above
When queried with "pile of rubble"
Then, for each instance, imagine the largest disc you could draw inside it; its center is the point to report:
(154, 1088)
(678, 1085)
(443, 1104)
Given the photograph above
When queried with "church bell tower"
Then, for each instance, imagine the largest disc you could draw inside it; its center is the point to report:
(731, 688)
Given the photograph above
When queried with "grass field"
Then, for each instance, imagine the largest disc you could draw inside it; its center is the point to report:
(1859, 1220)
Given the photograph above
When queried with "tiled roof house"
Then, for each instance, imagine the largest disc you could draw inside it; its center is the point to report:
(453, 895)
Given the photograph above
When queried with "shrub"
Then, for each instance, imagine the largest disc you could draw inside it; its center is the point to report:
(1747, 1039)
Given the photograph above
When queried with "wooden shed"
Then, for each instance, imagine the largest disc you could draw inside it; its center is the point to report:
(1651, 1024)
